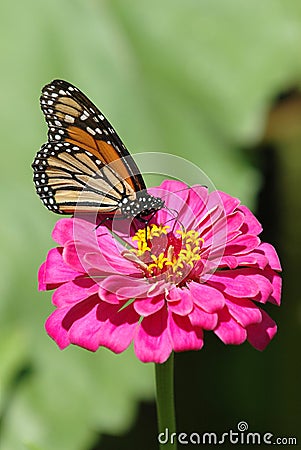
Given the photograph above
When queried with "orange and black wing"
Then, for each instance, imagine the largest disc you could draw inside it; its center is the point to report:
(84, 165)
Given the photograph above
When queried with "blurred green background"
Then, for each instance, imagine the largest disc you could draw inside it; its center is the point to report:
(216, 82)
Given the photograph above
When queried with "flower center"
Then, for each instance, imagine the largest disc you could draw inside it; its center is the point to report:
(167, 254)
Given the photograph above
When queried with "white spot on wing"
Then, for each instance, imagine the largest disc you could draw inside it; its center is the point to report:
(84, 116)
(90, 131)
(69, 119)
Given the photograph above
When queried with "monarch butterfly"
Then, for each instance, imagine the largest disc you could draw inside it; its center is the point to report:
(84, 166)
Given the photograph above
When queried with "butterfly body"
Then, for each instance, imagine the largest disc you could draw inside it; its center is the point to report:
(143, 205)
(84, 166)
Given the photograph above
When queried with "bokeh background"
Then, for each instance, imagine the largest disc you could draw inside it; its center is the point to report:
(217, 82)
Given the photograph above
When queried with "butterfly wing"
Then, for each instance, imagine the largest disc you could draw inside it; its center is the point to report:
(84, 164)
(68, 177)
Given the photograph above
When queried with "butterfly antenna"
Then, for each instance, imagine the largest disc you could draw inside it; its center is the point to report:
(181, 190)
(175, 218)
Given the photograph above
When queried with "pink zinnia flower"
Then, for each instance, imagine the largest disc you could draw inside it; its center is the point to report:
(207, 270)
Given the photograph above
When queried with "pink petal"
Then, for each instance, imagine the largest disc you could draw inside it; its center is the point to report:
(218, 234)
(174, 193)
(270, 253)
(63, 231)
(55, 329)
(184, 306)
(124, 228)
(207, 297)
(210, 221)
(59, 323)
(252, 259)
(174, 294)
(228, 330)
(67, 230)
(197, 199)
(149, 305)
(221, 242)
(124, 287)
(108, 296)
(152, 342)
(237, 283)
(88, 259)
(74, 291)
(260, 334)
(234, 223)
(228, 261)
(243, 311)
(170, 186)
(118, 326)
(109, 252)
(276, 282)
(196, 206)
(200, 318)
(245, 282)
(56, 270)
(73, 256)
(229, 203)
(42, 286)
(83, 325)
(265, 286)
(107, 260)
(91, 256)
(251, 224)
(225, 230)
(242, 244)
(183, 335)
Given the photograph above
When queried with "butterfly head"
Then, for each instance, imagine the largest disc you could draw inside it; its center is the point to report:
(142, 206)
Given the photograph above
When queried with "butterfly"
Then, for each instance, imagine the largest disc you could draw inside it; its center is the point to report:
(84, 166)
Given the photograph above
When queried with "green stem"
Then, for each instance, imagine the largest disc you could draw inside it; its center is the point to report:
(165, 404)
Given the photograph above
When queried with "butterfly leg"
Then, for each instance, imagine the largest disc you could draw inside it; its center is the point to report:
(103, 221)
(146, 222)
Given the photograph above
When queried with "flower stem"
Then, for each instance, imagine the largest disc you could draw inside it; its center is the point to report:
(165, 404)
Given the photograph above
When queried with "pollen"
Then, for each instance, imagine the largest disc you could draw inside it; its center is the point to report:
(171, 255)
(191, 245)
(160, 262)
(149, 233)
